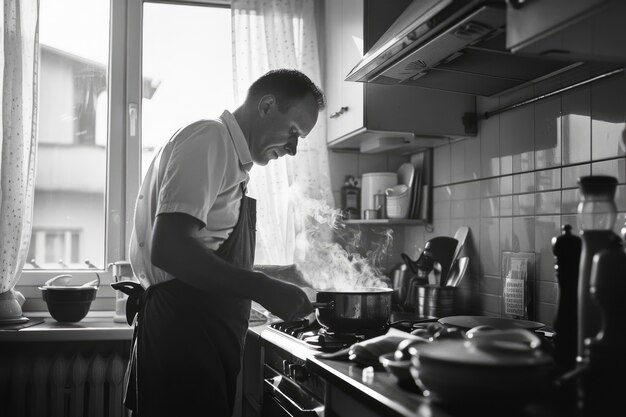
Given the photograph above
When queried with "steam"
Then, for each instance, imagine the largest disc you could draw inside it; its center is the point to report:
(331, 255)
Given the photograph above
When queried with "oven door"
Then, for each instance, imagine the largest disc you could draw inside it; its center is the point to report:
(283, 398)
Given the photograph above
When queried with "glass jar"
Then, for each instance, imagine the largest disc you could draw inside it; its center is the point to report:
(596, 209)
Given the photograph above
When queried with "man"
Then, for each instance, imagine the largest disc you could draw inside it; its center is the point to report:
(193, 248)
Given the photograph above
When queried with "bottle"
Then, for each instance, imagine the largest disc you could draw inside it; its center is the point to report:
(597, 214)
(350, 198)
(604, 380)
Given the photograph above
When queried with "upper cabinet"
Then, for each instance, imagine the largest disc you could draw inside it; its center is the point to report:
(585, 30)
(373, 117)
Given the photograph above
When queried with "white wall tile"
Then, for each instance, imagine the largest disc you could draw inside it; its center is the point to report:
(548, 132)
(549, 179)
(441, 162)
(608, 112)
(490, 147)
(576, 126)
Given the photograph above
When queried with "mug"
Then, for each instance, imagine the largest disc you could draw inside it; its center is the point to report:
(11, 305)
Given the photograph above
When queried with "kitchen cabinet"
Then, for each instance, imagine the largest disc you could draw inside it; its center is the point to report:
(373, 117)
(585, 30)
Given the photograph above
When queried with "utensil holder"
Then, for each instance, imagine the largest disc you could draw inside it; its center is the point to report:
(431, 301)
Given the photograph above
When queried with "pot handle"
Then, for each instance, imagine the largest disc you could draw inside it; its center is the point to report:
(330, 305)
(409, 262)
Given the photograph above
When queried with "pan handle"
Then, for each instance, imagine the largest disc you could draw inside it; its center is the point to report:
(329, 305)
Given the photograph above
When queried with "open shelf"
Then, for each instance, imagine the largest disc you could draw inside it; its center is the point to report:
(415, 222)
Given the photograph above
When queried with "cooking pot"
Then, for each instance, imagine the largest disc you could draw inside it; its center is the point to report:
(361, 309)
(503, 368)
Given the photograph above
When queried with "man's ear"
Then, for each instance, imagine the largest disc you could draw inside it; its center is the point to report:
(267, 104)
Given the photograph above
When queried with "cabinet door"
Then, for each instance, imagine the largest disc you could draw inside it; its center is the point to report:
(529, 26)
(333, 68)
(352, 52)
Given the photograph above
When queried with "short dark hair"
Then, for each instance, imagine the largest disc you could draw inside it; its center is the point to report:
(288, 86)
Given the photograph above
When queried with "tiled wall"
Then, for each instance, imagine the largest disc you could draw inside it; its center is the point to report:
(515, 183)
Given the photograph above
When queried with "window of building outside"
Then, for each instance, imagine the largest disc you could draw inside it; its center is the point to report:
(185, 74)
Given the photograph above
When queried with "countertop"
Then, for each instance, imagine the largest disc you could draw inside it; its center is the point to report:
(378, 391)
(98, 325)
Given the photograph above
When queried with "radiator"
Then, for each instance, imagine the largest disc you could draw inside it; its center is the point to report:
(56, 385)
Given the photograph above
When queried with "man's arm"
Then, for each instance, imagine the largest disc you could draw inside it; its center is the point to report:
(176, 251)
(287, 273)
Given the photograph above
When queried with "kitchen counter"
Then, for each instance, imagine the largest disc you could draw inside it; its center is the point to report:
(355, 390)
(97, 326)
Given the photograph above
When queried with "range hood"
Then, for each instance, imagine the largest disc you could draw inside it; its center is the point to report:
(452, 45)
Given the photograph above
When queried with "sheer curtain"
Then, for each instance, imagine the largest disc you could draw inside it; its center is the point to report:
(19, 143)
(271, 34)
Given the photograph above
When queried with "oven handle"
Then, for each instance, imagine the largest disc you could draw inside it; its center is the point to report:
(273, 385)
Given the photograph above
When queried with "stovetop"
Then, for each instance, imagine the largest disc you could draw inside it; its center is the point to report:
(321, 339)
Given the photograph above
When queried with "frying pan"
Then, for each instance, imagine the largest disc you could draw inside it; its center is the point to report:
(500, 323)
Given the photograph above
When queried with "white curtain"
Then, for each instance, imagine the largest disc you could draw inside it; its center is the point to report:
(19, 144)
(272, 34)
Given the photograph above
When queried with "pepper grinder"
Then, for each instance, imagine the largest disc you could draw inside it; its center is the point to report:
(566, 249)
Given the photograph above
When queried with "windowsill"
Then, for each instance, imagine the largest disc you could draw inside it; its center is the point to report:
(97, 326)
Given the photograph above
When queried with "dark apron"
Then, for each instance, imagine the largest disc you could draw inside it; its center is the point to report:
(187, 344)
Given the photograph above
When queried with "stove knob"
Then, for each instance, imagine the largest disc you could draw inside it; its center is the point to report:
(287, 367)
(298, 372)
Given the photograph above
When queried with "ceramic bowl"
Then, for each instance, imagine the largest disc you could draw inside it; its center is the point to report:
(401, 370)
(68, 304)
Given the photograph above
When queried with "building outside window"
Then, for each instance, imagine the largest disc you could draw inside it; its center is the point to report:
(116, 80)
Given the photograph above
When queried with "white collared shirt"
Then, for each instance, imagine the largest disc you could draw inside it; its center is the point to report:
(198, 172)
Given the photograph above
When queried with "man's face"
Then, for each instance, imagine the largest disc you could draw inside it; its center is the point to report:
(275, 133)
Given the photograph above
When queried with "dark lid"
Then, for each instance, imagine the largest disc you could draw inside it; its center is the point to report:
(598, 185)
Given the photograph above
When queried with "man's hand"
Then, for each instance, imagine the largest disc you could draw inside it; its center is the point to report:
(285, 300)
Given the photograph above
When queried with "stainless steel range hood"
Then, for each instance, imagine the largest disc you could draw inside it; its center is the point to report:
(451, 45)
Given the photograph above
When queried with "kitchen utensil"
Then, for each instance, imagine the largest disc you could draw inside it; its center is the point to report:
(58, 280)
(505, 368)
(439, 249)
(400, 277)
(501, 323)
(363, 309)
(398, 204)
(401, 369)
(458, 272)
(121, 271)
(367, 352)
(370, 214)
(431, 300)
(406, 174)
(566, 249)
(460, 235)
(380, 205)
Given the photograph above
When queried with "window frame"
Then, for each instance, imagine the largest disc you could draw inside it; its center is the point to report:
(123, 160)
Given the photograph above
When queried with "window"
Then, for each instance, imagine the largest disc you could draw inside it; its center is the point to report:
(102, 116)
(70, 182)
(187, 69)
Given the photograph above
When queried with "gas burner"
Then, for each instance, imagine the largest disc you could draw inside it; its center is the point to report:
(322, 339)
